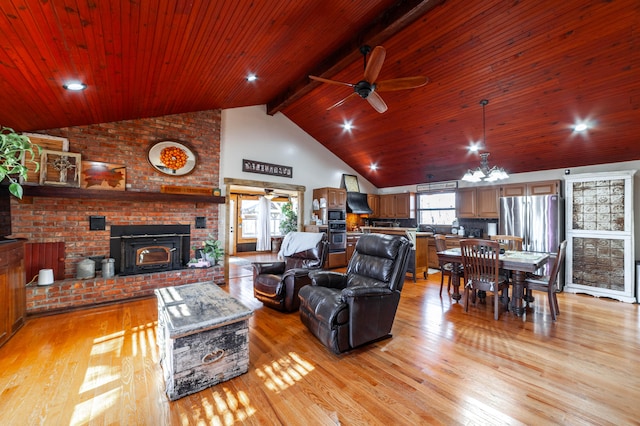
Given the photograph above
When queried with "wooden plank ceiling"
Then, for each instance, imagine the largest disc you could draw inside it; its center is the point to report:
(542, 65)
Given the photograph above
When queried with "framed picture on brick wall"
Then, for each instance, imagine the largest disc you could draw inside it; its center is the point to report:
(54, 143)
(60, 168)
(98, 175)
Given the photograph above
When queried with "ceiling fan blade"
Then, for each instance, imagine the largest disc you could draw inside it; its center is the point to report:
(375, 64)
(324, 80)
(401, 83)
(337, 104)
(376, 102)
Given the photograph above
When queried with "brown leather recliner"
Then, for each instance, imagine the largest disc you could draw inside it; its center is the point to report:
(348, 310)
(276, 284)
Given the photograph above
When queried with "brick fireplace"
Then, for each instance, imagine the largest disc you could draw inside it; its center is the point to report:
(52, 219)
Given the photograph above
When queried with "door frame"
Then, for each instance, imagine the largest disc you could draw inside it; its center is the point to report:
(229, 183)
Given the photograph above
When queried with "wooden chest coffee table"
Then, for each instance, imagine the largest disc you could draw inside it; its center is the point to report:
(203, 336)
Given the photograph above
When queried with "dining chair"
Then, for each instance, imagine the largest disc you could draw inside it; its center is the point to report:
(508, 242)
(446, 268)
(548, 283)
(481, 264)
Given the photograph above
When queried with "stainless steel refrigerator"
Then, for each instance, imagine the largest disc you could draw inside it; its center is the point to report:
(538, 219)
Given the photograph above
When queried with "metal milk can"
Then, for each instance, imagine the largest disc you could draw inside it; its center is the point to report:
(86, 269)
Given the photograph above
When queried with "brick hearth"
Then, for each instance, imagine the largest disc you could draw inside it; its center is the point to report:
(74, 293)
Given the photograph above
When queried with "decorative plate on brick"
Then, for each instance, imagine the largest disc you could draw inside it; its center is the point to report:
(172, 158)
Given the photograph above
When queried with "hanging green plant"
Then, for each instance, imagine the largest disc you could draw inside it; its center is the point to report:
(16, 151)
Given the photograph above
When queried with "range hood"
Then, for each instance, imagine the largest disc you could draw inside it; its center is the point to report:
(357, 203)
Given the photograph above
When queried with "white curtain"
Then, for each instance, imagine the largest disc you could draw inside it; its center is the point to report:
(264, 233)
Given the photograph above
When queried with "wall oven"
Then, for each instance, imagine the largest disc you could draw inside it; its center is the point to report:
(337, 235)
(336, 215)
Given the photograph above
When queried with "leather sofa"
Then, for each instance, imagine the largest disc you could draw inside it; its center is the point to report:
(347, 310)
(276, 284)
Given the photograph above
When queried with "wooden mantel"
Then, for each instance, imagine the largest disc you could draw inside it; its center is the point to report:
(137, 196)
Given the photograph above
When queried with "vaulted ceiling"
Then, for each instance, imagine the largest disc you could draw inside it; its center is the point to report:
(543, 66)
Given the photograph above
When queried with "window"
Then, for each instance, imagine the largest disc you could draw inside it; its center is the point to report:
(249, 214)
(436, 208)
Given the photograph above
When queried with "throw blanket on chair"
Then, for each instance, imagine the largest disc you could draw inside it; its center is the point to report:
(295, 242)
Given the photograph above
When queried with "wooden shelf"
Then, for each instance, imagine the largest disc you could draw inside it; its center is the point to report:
(135, 196)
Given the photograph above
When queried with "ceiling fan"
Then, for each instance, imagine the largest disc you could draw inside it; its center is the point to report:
(368, 88)
(269, 194)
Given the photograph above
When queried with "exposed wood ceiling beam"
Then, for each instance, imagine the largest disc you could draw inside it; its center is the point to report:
(386, 25)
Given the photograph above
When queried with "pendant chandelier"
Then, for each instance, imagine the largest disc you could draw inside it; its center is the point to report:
(484, 172)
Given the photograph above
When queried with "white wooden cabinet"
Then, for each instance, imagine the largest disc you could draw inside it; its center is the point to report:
(599, 229)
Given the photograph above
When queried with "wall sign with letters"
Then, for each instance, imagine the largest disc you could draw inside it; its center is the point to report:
(266, 168)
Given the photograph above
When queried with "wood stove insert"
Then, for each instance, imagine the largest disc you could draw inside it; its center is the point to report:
(139, 249)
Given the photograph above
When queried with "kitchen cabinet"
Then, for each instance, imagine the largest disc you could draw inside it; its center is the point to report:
(337, 259)
(352, 240)
(422, 253)
(315, 228)
(549, 187)
(386, 206)
(12, 289)
(336, 197)
(398, 206)
(478, 202)
(374, 203)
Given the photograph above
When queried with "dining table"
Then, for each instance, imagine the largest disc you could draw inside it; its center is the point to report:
(518, 262)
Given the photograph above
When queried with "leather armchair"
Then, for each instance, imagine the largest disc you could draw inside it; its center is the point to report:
(276, 284)
(347, 310)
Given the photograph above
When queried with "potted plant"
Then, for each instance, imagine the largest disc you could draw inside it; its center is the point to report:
(15, 151)
(290, 221)
(212, 249)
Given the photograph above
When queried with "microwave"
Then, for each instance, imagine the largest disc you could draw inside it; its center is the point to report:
(336, 215)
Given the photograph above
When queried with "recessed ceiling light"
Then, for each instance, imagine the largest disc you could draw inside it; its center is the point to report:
(373, 166)
(74, 86)
(580, 127)
(252, 77)
(347, 126)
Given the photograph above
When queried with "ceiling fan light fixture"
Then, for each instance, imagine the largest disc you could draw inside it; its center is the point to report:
(364, 89)
(269, 194)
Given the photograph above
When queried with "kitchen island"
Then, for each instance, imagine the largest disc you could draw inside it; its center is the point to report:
(425, 249)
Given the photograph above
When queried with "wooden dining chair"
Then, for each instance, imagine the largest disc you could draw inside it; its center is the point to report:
(508, 242)
(548, 283)
(446, 268)
(481, 264)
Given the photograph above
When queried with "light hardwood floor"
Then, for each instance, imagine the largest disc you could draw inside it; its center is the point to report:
(442, 366)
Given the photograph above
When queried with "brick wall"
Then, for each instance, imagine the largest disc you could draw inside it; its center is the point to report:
(50, 219)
